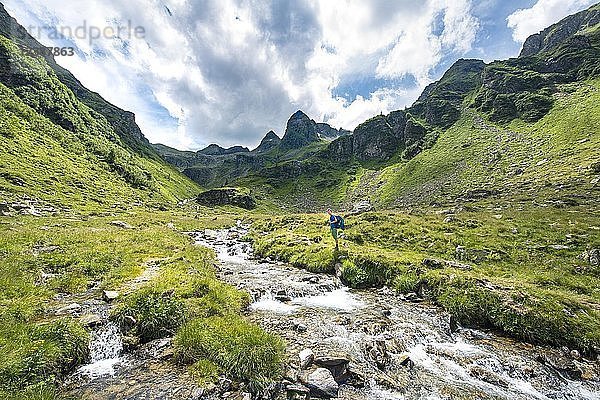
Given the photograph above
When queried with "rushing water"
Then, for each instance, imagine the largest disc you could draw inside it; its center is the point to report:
(397, 349)
(106, 348)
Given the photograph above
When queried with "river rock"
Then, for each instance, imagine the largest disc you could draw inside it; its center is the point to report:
(224, 384)
(321, 383)
(336, 364)
(405, 361)
(69, 309)
(282, 296)
(300, 327)
(90, 320)
(561, 363)
(297, 392)
(377, 351)
(109, 295)
(121, 224)
(488, 376)
(306, 357)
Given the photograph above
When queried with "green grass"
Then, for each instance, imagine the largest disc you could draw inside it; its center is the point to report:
(234, 345)
(40, 257)
(516, 281)
(520, 160)
(42, 121)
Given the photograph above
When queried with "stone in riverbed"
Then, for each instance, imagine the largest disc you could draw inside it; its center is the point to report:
(299, 327)
(306, 357)
(488, 376)
(562, 364)
(321, 383)
(297, 392)
(338, 365)
(90, 320)
(69, 309)
(405, 361)
(109, 295)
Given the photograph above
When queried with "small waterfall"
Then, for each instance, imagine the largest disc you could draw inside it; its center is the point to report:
(106, 347)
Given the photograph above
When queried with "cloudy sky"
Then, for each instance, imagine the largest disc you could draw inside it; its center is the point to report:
(197, 72)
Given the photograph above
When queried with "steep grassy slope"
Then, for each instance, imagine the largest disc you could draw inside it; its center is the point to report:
(121, 121)
(55, 148)
(553, 159)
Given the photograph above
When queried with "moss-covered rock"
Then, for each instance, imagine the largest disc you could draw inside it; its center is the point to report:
(227, 196)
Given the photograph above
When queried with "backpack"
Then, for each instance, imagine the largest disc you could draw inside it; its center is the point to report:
(340, 222)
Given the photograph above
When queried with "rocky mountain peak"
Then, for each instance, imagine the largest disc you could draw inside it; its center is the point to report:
(562, 32)
(300, 131)
(216, 150)
(270, 141)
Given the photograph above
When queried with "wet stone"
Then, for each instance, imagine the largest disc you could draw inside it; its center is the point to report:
(306, 357)
(90, 320)
(321, 383)
(69, 309)
(297, 392)
(109, 295)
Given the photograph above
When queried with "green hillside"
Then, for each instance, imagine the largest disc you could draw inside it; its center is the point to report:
(42, 122)
(554, 159)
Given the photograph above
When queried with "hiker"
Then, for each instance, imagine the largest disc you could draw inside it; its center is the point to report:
(335, 222)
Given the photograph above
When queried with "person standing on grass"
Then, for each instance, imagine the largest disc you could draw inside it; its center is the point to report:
(335, 222)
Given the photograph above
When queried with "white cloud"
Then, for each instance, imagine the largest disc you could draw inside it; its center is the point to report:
(227, 71)
(526, 22)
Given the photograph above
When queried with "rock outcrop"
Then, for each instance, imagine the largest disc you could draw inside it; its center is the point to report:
(380, 138)
(299, 132)
(216, 150)
(270, 141)
(557, 34)
(226, 196)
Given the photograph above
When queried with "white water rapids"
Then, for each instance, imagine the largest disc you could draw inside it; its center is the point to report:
(467, 364)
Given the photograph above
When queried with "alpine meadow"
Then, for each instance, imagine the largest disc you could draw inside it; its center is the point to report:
(460, 258)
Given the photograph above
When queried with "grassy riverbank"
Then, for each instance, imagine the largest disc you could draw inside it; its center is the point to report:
(42, 257)
(521, 270)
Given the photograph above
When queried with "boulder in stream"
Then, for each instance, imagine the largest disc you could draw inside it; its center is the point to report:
(297, 392)
(562, 364)
(337, 365)
(306, 357)
(321, 383)
(90, 320)
(109, 295)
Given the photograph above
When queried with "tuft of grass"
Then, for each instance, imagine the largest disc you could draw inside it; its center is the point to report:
(205, 372)
(33, 353)
(38, 391)
(158, 313)
(239, 348)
